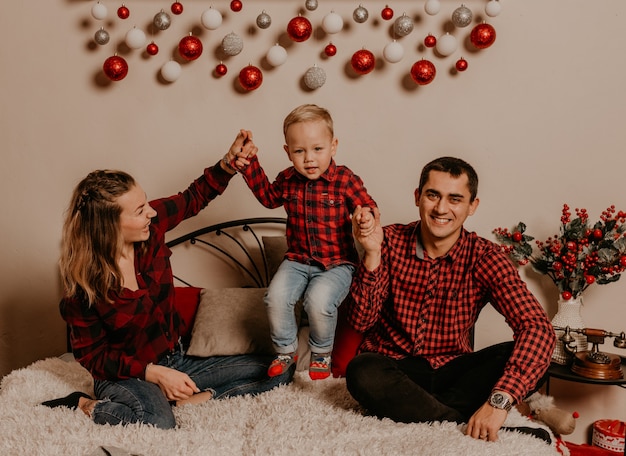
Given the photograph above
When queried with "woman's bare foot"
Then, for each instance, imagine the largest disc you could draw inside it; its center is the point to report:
(86, 405)
(198, 398)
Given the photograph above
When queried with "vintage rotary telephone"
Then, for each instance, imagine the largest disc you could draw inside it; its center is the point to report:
(594, 363)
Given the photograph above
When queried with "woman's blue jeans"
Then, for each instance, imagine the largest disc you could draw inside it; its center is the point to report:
(321, 291)
(139, 401)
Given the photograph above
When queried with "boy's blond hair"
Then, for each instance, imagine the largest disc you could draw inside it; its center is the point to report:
(308, 113)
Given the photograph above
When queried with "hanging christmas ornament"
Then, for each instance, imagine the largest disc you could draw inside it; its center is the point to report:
(332, 23)
(162, 20)
(446, 45)
(423, 72)
(432, 7)
(360, 14)
(211, 19)
(135, 38)
(101, 37)
(99, 11)
(483, 35)
(250, 78)
(330, 50)
(190, 47)
(115, 68)
(403, 25)
(123, 12)
(176, 8)
(221, 69)
(430, 41)
(276, 56)
(462, 16)
(263, 20)
(152, 49)
(236, 5)
(461, 64)
(492, 8)
(232, 44)
(171, 71)
(314, 78)
(393, 52)
(311, 5)
(363, 61)
(386, 13)
(299, 29)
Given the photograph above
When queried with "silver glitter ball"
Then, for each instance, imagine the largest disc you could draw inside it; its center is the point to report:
(360, 14)
(311, 5)
(315, 77)
(462, 16)
(403, 25)
(101, 37)
(263, 20)
(162, 20)
(232, 44)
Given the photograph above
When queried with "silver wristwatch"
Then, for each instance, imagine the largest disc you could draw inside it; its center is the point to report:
(500, 401)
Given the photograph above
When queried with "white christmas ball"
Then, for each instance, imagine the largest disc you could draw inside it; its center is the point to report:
(432, 7)
(135, 38)
(446, 45)
(171, 71)
(393, 52)
(315, 77)
(99, 11)
(493, 7)
(232, 44)
(332, 23)
(277, 55)
(211, 19)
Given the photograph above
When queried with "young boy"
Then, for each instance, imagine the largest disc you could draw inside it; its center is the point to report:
(319, 198)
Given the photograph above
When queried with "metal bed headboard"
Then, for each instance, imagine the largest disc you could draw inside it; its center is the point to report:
(238, 239)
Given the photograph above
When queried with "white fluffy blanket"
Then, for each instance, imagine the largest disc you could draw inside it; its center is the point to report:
(303, 418)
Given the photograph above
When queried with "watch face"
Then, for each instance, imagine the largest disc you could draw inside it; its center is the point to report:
(497, 399)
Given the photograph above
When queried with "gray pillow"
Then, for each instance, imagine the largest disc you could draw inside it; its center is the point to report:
(231, 321)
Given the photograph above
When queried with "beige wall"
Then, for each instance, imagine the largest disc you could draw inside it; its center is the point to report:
(540, 114)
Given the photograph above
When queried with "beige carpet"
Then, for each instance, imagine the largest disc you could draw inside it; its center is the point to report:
(303, 418)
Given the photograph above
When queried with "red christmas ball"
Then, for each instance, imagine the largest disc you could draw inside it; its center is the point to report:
(461, 64)
(250, 77)
(299, 29)
(152, 49)
(430, 41)
(221, 69)
(115, 68)
(483, 36)
(190, 47)
(236, 5)
(177, 8)
(123, 12)
(363, 61)
(423, 72)
(330, 50)
(386, 13)
(566, 295)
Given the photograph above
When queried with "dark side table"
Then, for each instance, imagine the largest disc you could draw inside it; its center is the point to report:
(565, 373)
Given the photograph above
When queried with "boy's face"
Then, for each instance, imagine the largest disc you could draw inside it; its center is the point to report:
(310, 147)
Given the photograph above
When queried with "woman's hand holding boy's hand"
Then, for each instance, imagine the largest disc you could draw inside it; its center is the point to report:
(240, 151)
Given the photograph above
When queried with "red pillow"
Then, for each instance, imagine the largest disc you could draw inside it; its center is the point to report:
(347, 342)
(186, 301)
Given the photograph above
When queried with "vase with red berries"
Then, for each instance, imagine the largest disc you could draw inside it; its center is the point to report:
(579, 256)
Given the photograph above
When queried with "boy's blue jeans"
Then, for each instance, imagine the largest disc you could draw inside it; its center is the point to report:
(321, 290)
(134, 400)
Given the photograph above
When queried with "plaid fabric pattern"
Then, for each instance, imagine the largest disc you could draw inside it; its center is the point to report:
(319, 228)
(117, 340)
(412, 305)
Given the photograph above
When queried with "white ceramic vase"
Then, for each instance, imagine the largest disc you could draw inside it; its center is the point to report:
(568, 314)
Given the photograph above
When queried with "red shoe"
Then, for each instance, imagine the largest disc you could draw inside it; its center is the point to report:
(281, 364)
(319, 367)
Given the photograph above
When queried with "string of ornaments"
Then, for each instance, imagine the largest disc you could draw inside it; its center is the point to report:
(299, 29)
